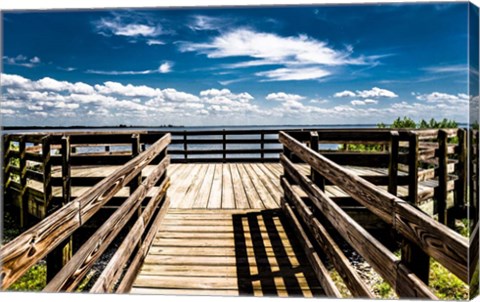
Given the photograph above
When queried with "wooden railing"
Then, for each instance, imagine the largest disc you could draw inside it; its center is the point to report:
(225, 146)
(311, 210)
(52, 234)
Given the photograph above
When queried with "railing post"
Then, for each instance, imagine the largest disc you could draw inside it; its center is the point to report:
(474, 169)
(185, 146)
(413, 168)
(393, 163)
(47, 173)
(224, 146)
(66, 170)
(441, 192)
(412, 255)
(23, 201)
(58, 257)
(137, 181)
(262, 146)
(461, 183)
(317, 178)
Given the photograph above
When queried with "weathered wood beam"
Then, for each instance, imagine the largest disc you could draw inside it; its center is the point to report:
(28, 248)
(319, 268)
(378, 256)
(438, 241)
(74, 271)
(342, 265)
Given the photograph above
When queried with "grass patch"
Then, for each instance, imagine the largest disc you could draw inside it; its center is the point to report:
(35, 279)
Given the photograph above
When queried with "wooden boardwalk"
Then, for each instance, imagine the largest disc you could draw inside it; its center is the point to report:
(224, 235)
(226, 252)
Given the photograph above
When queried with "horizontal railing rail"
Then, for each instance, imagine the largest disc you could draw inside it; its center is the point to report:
(42, 239)
(418, 229)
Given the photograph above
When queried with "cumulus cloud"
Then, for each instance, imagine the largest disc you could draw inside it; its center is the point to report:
(302, 57)
(21, 60)
(283, 97)
(345, 93)
(165, 67)
(439, 97)
(52, 102)
(363, 102)
(375, 92)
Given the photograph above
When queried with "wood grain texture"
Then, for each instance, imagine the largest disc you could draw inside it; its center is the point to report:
(377, 255)
(132, 270)
(72, 273)
(256, 258)
(439, 242)
(114, 268)
(355, 284)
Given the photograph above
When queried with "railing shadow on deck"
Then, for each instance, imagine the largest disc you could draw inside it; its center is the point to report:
(269, 260)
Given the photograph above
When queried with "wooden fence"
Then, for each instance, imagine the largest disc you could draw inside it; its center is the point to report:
(52, 235)
(310, 210)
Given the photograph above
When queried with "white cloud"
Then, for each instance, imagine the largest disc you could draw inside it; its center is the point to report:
(447, 69)
(319, 101)
(357, 102)
(343, 94)
(4, 111)
(21, 60)
(54, 102)
(127, 90)
(165, 67)
(302, 57)
(363, 102)
(151, 42)
(375, 92)
(294, 74)
(284, 97)
(200, 22)
(439, 97)
(117, 26)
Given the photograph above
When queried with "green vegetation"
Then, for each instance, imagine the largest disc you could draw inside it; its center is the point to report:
(406, 122)
(33, 280)
(446, 285)
(401, 123)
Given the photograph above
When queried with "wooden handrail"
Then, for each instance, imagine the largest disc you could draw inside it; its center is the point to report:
(382, 260)
(435, 239)
(28, 248)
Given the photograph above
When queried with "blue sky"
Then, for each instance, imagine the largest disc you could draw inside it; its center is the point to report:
(330, 64)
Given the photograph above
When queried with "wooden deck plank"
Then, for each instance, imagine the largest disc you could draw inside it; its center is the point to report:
(252, 195)
(194, 189)
(215, 199)
(265, 196)
(269, 185)
(241, 200)
(228, 197)
(201, 200)
(249, 253)
(274, 178)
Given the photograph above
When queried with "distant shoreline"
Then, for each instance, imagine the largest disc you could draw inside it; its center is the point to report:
(176, 126)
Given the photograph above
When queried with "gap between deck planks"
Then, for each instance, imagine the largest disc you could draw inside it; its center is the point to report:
(226, 252)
